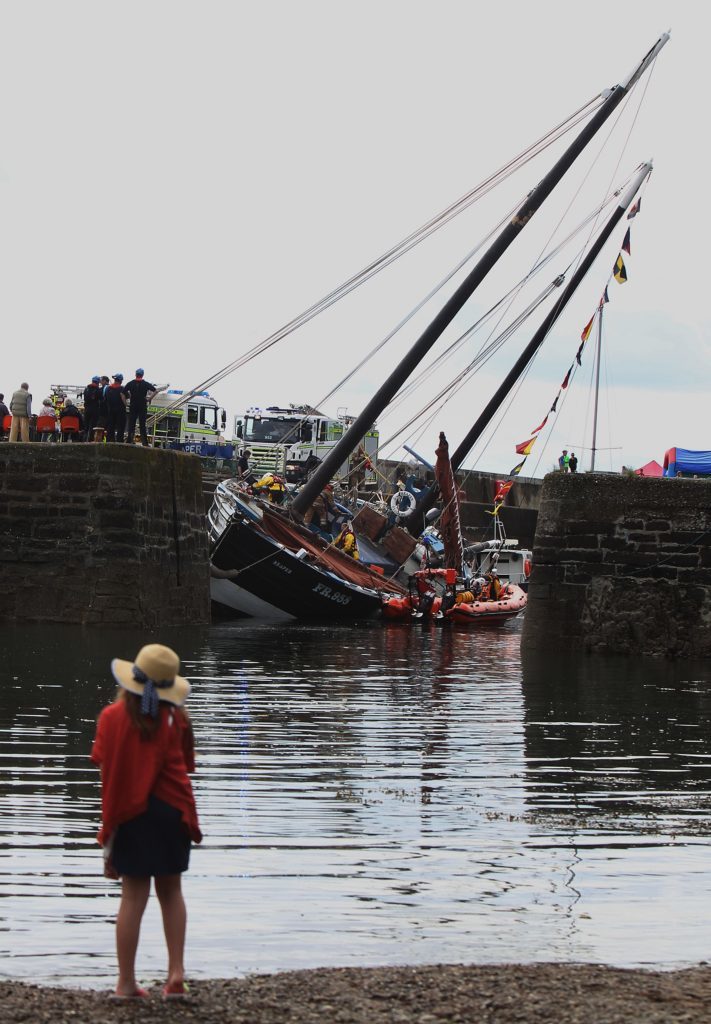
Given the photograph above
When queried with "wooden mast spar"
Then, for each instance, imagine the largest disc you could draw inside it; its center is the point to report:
(364, 422)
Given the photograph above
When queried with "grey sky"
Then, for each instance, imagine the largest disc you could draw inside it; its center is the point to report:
(178, 180)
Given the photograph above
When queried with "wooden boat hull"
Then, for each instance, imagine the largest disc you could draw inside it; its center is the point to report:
(254, 574)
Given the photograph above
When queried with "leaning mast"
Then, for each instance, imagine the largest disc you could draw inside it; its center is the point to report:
(387, 391)
(459, 455)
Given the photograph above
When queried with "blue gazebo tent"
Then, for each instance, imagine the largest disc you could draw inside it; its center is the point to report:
(690, 463)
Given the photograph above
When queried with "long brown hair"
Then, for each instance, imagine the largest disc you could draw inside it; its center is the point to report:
(146, 724)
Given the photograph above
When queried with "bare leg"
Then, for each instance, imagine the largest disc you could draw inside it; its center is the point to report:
(134, 896)
(172, 906)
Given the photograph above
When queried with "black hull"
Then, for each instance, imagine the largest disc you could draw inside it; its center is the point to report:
(275, 576)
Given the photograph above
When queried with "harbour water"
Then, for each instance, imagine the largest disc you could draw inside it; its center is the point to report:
(370, 795)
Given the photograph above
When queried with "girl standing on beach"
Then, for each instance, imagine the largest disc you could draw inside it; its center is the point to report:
(144, 747)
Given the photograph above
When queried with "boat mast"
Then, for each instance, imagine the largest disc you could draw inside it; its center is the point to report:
(466, 445)
(387, 391)
(597, 388)
(534, 344)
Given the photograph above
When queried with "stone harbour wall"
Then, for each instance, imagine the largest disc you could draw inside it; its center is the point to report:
(102, 534)
(622, 564)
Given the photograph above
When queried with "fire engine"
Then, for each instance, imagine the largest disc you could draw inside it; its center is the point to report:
(290, 441)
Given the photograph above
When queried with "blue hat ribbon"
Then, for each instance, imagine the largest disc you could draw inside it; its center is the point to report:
(149, 697)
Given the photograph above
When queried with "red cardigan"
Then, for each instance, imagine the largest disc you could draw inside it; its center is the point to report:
(133, 768)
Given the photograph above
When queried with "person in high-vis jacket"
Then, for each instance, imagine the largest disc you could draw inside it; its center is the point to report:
(347, 542)
(274, 487)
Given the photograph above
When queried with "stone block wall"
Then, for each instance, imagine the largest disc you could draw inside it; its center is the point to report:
(102, 533)
(622, 565)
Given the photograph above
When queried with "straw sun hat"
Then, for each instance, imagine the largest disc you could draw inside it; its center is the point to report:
(153, 676)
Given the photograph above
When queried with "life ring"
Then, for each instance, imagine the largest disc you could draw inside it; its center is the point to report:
(403, 503)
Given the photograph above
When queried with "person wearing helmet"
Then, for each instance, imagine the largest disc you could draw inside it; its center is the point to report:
(139, 392)
(115, 396)
(273, 486)
(322, 513)
(92, 404)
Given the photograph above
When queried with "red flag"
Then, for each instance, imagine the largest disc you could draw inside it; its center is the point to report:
(634, 210)
(540, 428)
(502, 489)
(567, 379)
(588, 327)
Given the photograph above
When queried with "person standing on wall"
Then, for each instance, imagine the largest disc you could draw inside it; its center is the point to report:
(92, 404)
(21, 410)
(115, 395)
(573, 463)
(563, 461)
(139, 393)
(243, 463)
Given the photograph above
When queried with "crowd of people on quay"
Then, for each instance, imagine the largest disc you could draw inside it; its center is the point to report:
(110, 410)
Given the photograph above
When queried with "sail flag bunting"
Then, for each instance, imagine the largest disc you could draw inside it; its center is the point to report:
(587, 328)
(502, 490)
(450, 526)
(542, 425)
(620, 271)
(525, 447)
(634, 210)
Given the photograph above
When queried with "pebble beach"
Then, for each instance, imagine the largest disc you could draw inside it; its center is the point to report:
(530, 994)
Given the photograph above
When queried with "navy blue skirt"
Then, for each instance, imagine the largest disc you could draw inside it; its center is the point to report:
(154, 843)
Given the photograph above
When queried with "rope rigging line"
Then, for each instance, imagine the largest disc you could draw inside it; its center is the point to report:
(438, 287)
(450, 389)
(413, 239)
(487, 351)
(625, 144)
(591, 220)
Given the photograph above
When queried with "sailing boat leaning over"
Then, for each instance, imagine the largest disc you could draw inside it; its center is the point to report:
(264, 561)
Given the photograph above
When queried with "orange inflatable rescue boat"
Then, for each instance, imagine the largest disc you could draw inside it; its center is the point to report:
(437, 594)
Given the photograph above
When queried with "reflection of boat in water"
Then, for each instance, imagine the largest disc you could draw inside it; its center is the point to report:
(266, 566)
(279, 563)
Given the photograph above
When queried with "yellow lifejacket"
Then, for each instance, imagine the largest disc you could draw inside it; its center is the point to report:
(272, 483)
(347, 542)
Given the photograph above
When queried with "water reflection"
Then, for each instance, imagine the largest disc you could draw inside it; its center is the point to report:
(369, 795)
(619, 773)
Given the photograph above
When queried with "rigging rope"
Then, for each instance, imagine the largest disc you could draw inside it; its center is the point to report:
(395, 252)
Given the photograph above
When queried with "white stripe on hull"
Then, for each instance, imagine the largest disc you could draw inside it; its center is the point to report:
(227, 593)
